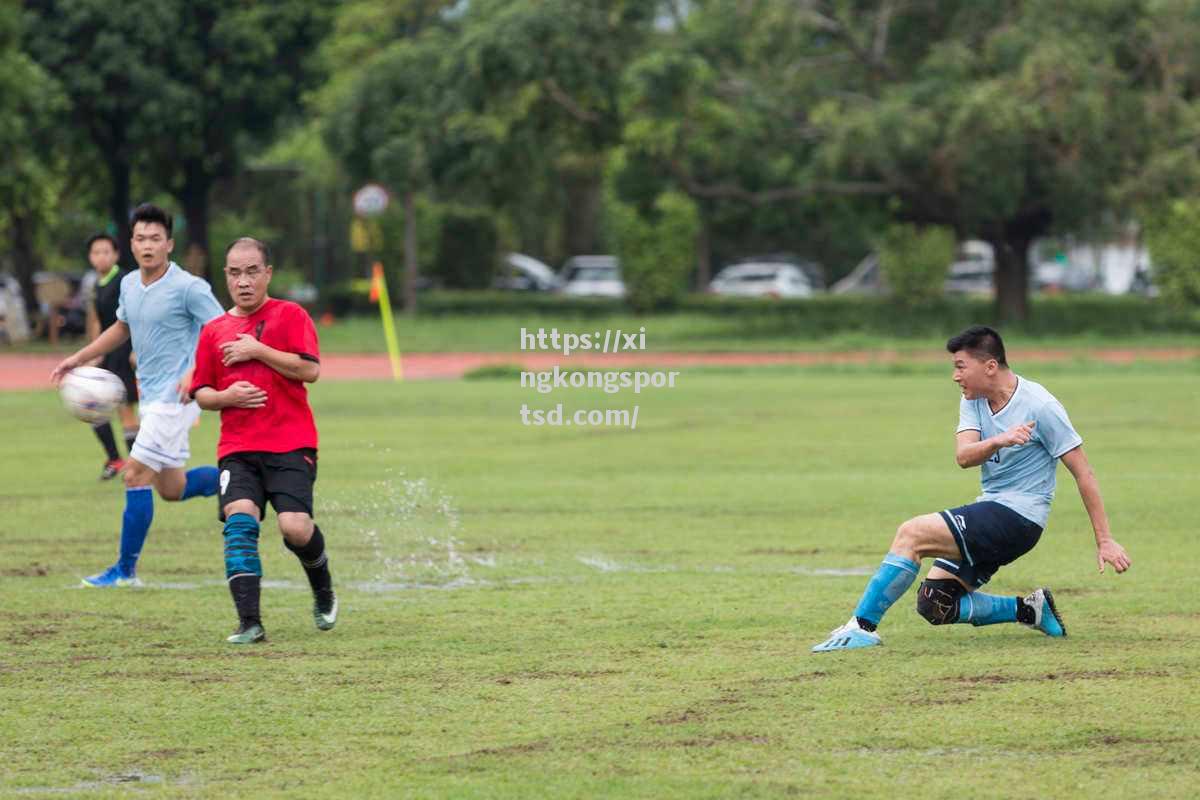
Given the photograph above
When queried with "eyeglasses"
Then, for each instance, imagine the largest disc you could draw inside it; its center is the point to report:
(253, 273)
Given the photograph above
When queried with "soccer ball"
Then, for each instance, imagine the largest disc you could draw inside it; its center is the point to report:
(91, 394)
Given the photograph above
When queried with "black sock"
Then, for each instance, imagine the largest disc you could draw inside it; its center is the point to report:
(866, 624)
(246, 590)
(1024, 612)
(315, 562)
(130, 435)
(105, 435)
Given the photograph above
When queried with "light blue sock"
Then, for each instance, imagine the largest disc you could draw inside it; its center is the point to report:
(135, 524)
(891, 580)
(978, 608)
(201, 482)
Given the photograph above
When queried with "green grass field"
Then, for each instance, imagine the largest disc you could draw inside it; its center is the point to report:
(581, 612)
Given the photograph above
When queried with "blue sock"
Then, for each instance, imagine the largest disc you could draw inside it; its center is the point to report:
(201, 481)
(978, 608)
(135, 524)
(243, 569)
(891, 580)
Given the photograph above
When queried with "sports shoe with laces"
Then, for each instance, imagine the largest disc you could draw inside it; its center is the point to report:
(1045, 616)
(848, 637)
(113, 577)
(112, 469)
(325, 610)
(247, 634)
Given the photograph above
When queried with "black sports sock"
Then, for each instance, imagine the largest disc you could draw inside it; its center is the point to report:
(104, 433)
(130, 435)
(866, 624)
(315, 562)
(1025, 613)
(246, 590)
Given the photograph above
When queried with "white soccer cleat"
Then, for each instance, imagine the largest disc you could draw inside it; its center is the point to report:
(848, 637)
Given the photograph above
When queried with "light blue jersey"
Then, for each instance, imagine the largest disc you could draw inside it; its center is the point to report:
(164, 322)
(1022, 477)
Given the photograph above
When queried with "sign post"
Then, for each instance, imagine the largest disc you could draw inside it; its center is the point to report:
(369, 202)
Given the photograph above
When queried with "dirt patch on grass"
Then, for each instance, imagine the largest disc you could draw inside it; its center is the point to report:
(540, 675)
(679, 718)
(30, 633)
(31, 571)
(721, 739)
(1065, 675)
(783, 551)
(509, 750)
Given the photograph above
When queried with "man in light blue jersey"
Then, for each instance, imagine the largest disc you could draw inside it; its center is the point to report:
(162, 308)
(1017, 431)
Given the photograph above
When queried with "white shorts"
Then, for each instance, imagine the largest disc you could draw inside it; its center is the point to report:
(162, 439)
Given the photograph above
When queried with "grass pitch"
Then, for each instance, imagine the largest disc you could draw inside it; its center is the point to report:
(554, 612)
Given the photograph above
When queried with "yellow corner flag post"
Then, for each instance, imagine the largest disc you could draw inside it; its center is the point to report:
(379, 294)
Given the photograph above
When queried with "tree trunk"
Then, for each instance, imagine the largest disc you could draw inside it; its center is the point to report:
(703, 256)
(118, 207)
(25, 258)
(581, 215)
(194, 198)
(1012, 279)
(410, 253)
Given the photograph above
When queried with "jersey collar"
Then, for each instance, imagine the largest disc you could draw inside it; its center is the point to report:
(112, 273)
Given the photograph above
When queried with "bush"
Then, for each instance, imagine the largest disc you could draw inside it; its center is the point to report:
(915, 262)
(657, 250)
(1173, 237)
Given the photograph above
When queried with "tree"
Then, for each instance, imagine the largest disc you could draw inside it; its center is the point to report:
(1003, 121)
(109, 64)
(179, 89)
(31, 107)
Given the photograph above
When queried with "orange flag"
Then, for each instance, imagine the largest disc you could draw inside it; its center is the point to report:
(376, 278)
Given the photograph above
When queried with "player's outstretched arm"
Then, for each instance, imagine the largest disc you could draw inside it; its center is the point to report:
(1107, 549)
(289, 365)
(113, 337)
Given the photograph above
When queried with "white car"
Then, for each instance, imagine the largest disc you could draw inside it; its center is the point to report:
(756, 279)
(522, 273)
(592, 276)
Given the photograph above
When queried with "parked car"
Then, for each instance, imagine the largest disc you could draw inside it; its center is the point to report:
(973, 270)
(522, 273)
(762, 279)
(592, 276)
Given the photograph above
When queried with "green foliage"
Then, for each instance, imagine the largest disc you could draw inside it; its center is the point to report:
(468, 249)
(915, 261)
(1173, 237)
(657, 250)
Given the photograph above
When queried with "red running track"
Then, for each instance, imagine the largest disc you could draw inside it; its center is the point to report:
(31, 371)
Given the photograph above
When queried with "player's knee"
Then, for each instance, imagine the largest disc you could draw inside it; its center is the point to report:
(937, 600)
(296, 528)
(136, 476)
(908, 536)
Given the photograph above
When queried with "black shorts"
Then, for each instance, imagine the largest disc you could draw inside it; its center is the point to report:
(117, 362)
(989, 535)
(285, 479)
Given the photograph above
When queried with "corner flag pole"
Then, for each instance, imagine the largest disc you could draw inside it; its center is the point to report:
(379, 293)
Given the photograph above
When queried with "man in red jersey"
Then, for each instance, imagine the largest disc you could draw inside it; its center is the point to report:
(251, 365)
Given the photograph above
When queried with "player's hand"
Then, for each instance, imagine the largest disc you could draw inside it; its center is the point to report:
(1017, 434)
(244, 348)
(1110, 552)
(64, 366)
(245, 394)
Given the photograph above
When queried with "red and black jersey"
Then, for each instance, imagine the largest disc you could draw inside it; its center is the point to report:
(285, 423)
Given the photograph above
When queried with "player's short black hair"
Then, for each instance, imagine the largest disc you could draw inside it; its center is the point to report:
(980, 341)
(263, 249)
(96, 237)
(148, 212)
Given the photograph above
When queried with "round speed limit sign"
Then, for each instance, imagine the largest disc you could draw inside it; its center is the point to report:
(371, 200)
